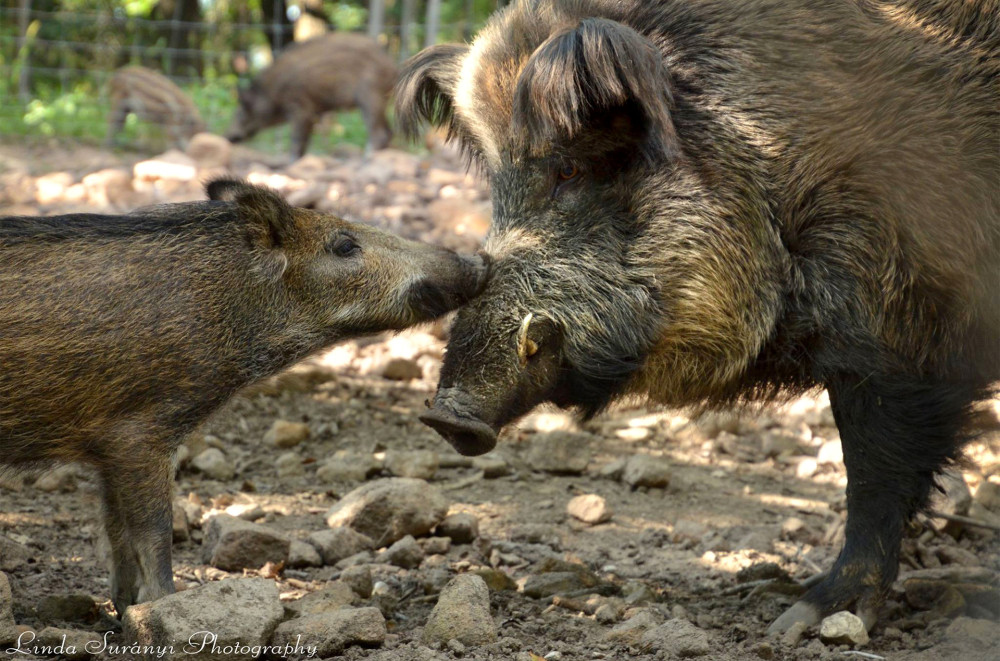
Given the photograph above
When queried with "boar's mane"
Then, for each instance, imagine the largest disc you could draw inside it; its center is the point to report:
(580, 72)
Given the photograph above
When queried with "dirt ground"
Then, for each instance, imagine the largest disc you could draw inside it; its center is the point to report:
(743, 490)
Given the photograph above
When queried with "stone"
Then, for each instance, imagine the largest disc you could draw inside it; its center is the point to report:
(560, 452)
(285, 434)
(289, 464)
(331, 632)
(779, 442)
(462, 613)
(13, 555)
(334, 596)
(172, 164)
(302, 554)
(208, 150)
(402, 369)
(435, 545)
(462, 528)
(180, 527)
(420, 464)
(677, 637)
(843, 628)
(108, 188)
(346, 466)
(68, 643)
(233, 544)
(405, 553)
(645, 471)
(539, 586)
(589, 508)
(67, 608)
(238, 614)
(214, 464)
(8, 628)
(387, 510)
(631, 630)
(359, 578)
(50, 188)
(339, 543)
(497, 580)
(492, 465)
(830, 452)
(984, 634)
(988, 495)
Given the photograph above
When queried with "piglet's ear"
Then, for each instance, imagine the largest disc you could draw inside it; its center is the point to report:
(426, 87)
(268, 217)
(584, 74)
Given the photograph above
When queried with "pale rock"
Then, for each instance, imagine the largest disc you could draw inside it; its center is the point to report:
(389, 509)
(420, 464)
(214, 464)
(285, 434)
(334, 596)
(339, 543)
(462, 613)
(844, 628)
(462, 528)
(208, 150)
(243, 611)
(331, 632)
(645, 471)
(233, 544)
(172, 164)
(302, 554)
(589, 508)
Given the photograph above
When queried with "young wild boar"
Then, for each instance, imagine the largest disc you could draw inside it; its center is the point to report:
(153, 98)
(332, 72)
(121, 333)
(719, 202)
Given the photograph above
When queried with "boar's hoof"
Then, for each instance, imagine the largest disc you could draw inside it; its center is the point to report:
(800, 611)
(468, 436)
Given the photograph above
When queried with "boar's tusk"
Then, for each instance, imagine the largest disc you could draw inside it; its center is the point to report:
(525, 347)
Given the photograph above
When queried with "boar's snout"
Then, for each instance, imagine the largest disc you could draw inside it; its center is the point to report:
(449, 417)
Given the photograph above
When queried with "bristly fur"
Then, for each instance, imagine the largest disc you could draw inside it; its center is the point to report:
(720, 201)
(588, 70)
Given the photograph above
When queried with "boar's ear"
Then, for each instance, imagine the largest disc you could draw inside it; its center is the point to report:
(426, 87)
(268, 217)
(584, 73)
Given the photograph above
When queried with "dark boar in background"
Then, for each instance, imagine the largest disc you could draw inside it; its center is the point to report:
(716, 202)
(331, 72)
(121, 333)
(154, 98)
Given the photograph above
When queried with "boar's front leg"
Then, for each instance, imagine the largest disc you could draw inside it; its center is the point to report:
(137, 491)
(897, 433)
(302, 126)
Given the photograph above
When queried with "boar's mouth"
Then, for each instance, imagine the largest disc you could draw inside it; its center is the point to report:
(469, 435)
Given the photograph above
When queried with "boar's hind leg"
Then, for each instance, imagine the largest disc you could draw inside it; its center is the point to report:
(896, 435)
(302, 126)
(138, 521)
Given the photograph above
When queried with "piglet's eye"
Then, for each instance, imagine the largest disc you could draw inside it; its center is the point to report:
(345, 247)
(567, 172)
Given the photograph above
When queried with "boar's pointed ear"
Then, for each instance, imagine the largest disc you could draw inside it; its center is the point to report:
(267, 216)
(426, 87)
(583, 73)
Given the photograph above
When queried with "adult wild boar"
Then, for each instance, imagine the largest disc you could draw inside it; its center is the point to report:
(120, 334)
(716, 202)
(334, 71)
(153, 98)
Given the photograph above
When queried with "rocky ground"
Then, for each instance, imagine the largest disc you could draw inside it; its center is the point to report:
(315, 510)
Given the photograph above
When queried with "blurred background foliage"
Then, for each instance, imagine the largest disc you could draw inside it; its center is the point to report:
(56, 55)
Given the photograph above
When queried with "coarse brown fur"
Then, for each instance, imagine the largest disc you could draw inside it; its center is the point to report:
(708, 202)
(122, 333)
(336, 71)
(153, 98)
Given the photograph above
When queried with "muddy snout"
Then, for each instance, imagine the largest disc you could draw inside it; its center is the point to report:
(452, 282)
(469, 435)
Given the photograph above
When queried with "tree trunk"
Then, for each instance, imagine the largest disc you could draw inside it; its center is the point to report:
(376, 18)
(406, 23)
(433, 22)
(24, 78)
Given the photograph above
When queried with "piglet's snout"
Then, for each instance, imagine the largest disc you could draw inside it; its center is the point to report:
(451, 282)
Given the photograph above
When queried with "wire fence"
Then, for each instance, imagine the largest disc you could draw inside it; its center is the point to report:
(56, 59)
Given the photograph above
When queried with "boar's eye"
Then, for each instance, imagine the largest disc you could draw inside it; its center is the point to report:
(568, 172)
(344, 246)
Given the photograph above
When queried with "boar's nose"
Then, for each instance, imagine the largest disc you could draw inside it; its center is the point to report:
(469, 435)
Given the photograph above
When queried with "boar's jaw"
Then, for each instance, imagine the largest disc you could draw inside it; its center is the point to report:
(468, 434)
